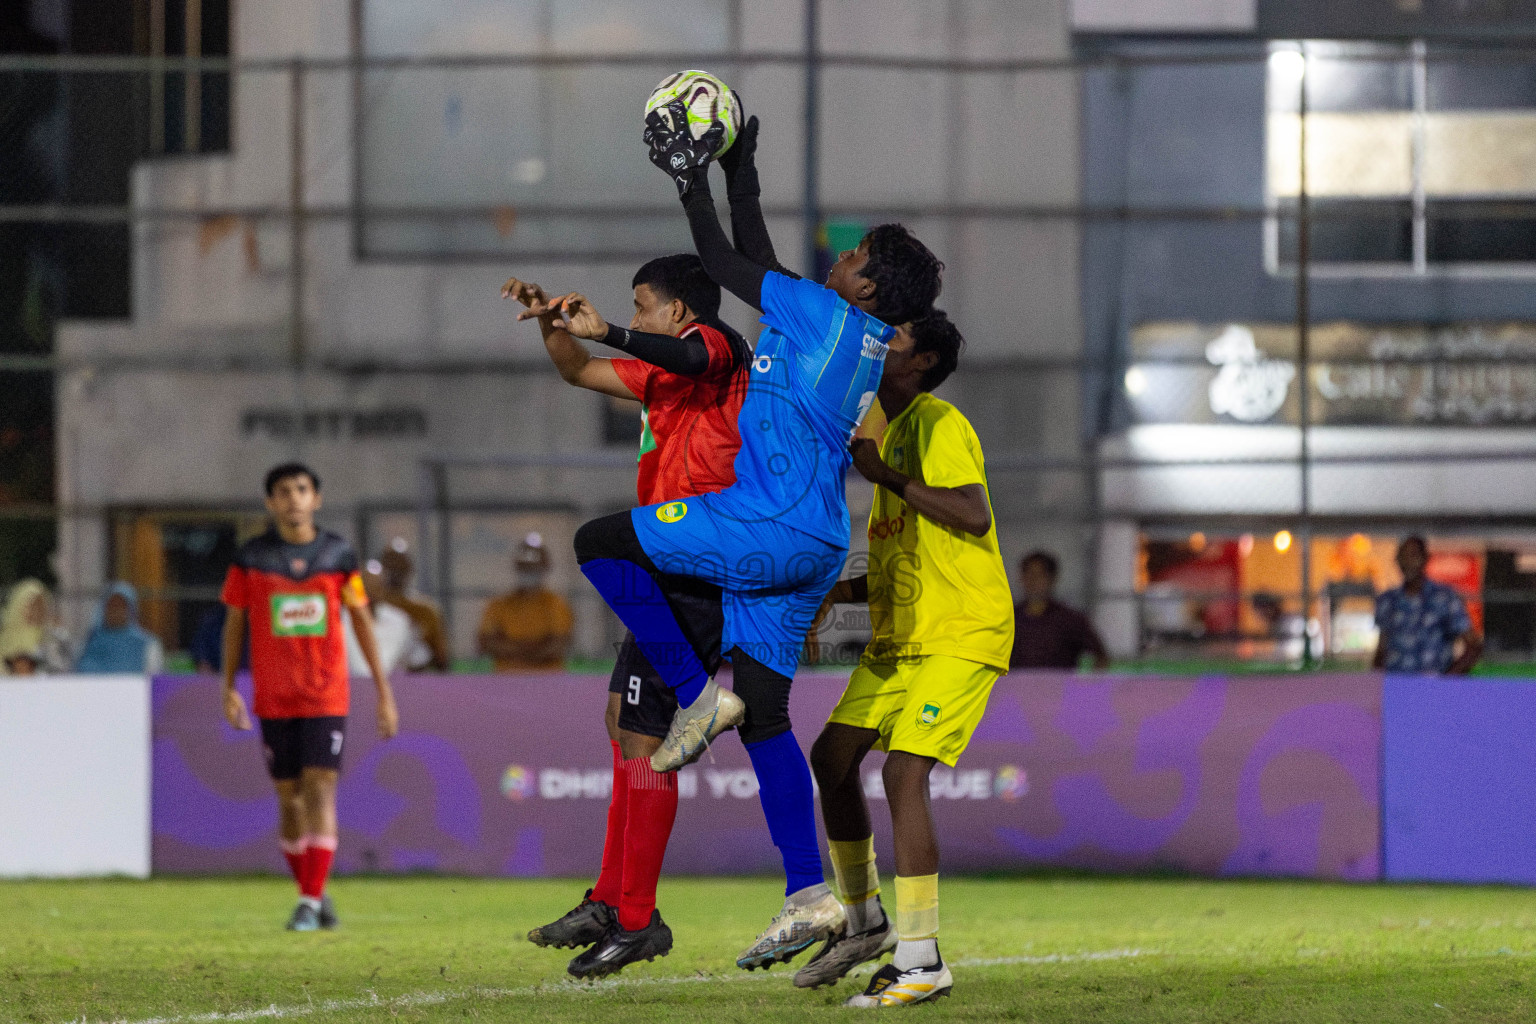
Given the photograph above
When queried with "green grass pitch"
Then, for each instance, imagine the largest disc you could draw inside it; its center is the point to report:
(1023, 949)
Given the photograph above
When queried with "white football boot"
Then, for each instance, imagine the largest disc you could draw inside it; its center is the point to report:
(892, 986)
(809, 916)
(695, 727)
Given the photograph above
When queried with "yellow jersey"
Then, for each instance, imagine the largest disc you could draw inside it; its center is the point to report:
(934, 589)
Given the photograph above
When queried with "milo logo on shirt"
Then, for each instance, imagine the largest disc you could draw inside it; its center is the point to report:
(298, 615)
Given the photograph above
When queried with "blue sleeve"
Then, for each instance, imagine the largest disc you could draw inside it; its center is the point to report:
(801, 310)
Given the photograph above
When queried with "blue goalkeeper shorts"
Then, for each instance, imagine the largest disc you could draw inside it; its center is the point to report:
(772, 577)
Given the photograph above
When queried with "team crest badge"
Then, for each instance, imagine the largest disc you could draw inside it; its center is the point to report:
(672, 511)
(298, 565)
(929, 715)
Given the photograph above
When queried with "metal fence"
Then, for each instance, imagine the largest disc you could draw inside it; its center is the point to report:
(1215, 383)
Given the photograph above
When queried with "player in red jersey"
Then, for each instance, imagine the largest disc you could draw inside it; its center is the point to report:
(289, 584)
(689, 371)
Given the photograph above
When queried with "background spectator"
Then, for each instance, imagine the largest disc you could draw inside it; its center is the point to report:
(23, 663)
(431, 651)
(1422, 622)
(528, 630)
(393, 630)
(116, 642)
(29, 626)
(1047, 633)
(207, 648)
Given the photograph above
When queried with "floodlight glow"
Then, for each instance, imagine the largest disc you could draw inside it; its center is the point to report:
(1291, 64)
(1283, 541)
(1135, 381)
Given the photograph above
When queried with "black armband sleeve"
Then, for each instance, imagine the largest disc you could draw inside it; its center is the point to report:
(687, 357)
(748, 229)
(725, 266)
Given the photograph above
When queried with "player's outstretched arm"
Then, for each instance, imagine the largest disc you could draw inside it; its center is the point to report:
(749, 231)
(362, 625)
(235, 712)
(962, 508)
(686, 161)
(576, 365)
(687, 356)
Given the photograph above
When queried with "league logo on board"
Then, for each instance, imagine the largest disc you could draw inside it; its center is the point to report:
(1010, 783)
(516, 783)
(929, 715)
(672, 511)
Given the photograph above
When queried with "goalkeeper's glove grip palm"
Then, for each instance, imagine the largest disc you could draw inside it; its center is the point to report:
(675, 150)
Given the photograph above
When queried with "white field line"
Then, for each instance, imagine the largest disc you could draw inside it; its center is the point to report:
(414, 999)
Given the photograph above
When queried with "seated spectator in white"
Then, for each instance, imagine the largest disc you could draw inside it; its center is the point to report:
(1422, 622)
(29, 626)
(116, 642)
(393, 630)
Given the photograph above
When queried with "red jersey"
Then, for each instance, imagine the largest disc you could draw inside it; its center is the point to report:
(690, 437)
(292, 596)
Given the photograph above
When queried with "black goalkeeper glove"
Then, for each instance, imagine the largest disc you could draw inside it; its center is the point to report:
(675, 150)
(740, 162)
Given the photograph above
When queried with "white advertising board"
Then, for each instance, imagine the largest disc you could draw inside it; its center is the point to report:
(74, 776)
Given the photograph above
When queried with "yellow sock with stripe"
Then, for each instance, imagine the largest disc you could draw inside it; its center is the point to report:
(858, 884)
(917, 921)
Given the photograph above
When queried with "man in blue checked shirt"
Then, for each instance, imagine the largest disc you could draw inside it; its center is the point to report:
(1422, 622)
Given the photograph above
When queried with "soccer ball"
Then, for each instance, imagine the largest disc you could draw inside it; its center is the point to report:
(708, 100)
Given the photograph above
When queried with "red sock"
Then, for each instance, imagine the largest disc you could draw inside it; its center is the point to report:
(610, 881)
(652, 810)
(317, 865)
(293, 853)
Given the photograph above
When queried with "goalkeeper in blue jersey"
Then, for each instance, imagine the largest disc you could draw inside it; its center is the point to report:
(774, 542)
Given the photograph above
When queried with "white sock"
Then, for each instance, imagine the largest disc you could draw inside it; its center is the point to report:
(912, 953)
(864, 915)
(314, 904)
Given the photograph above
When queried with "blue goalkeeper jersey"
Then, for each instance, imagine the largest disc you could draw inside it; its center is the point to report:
(814, 374)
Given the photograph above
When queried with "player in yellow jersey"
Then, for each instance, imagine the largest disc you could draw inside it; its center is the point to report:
(943, 627)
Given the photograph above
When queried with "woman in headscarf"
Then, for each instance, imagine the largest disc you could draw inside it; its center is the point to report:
(28, 628)
(117, 643)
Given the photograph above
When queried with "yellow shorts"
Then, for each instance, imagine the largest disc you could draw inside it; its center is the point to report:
(927, 706)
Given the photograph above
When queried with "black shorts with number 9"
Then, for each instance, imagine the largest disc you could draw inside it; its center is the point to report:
(293, 744)
(646, 704)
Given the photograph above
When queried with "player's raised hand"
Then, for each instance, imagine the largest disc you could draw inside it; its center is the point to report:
(867, 460)
(389, 717)
(234, 710)
(743, 152)
(582, 320)
(674, 149)
(811, 655)
(530, 295)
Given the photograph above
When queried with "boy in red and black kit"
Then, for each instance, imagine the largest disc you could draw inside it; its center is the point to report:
(290, 584)
(688, 369)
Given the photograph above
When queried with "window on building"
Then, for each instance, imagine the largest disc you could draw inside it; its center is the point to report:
(1418, 156)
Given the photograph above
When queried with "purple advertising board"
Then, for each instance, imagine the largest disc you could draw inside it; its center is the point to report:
(509, 775)
(1459, 779)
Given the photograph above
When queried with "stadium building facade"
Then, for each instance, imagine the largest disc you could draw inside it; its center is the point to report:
(1420, 388)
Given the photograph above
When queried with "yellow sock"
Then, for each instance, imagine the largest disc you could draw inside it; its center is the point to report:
(917, 907)
(853, 864)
